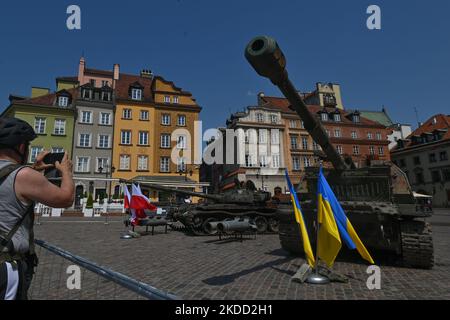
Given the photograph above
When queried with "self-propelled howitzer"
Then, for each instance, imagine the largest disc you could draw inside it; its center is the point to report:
(378, 199)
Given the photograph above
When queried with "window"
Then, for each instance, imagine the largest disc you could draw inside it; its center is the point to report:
(302, 125)
(275, 137)
(247, 138)
(136, 94)
(106, 96)
(102, 163)
(39, 125)
(126, 114)
(165, 141)
(175, 99)
(124, 162)
(372, 150)
(164, 165)
(248, 160)
(273, 118)
(63, 101)
(337, 133)
(165, 119)
(380, 151)
(305, 142)
(356, 118)
(105, 118)
(167, 99)
(369, 135)
(294, 142)
(92, 82)
(142, 163)
(144, 115)
(306, 162)
(315, 146)
(263, 161)
(34, 152)
(181, 142)
(125, 137)
(355, 150)
(354, 135)
(143, 138)
(260, 117)
(432, 157)
(339, 149)
(324, 116)
(296, 163)
(60, 127)
(292, 123)
(378, 136)
(103, 141)
(86, 116)
(84, 140)
(435, 176)
(337, 117)
(57, 150)
(446, 174)
(87, 94)
(275, 161)
(419, 178)
(105, 83)
(181, 165)
(82, 164)
(262, 136)
(402, 163)
(443, 156)
(416, 161)
(181, 121)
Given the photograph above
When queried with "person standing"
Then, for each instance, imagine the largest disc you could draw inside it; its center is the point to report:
(20, 187)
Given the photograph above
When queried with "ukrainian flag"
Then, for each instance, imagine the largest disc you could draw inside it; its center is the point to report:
(300, 220)
(334, 225)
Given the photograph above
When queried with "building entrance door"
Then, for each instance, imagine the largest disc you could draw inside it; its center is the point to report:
(78, 195)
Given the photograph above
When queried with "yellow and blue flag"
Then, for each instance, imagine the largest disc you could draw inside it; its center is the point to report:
(334, 225)
(301, 221)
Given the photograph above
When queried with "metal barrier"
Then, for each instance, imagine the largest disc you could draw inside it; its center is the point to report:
(45, 285)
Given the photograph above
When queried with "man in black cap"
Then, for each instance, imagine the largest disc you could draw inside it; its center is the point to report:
(20, 187)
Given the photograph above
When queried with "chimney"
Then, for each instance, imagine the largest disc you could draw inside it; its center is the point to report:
(81, 67)
(39, 92)
(116, 71)
(145, 73)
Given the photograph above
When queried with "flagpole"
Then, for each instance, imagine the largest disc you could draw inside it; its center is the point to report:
(125, 235)
(316, 278)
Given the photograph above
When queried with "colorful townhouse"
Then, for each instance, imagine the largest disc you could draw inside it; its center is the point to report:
(50, 114)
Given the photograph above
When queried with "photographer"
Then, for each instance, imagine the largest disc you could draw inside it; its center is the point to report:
(20, 187)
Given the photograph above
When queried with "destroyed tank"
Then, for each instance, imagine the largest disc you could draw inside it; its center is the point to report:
(241, 203)
(378, 199)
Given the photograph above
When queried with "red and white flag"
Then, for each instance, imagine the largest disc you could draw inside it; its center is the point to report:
(127, 197)
(139, 201)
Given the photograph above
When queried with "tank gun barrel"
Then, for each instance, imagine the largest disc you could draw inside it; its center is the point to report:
(266, 57)
(173, 190)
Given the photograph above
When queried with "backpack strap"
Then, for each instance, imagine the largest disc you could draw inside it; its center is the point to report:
(5, 238)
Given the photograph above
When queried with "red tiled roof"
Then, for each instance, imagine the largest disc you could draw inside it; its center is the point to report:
(98, 72)
(126, 80)
(442, 122)
(48, 99)
(283, 104)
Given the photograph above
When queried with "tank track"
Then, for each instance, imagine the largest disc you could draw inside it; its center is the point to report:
(416, 244)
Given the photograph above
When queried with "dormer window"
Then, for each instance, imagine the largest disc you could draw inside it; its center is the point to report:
(87, 94)
(337, 117)
(259, 117)
(106, 96)
(63, 101)
(324, 116)
(136, 94)
(356, 117)
(166, 99)
(329, 100)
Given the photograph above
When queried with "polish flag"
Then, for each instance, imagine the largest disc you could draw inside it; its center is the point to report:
(139, 201)
(127, 197)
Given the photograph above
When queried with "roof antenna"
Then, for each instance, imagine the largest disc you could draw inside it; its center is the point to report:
(417, 117)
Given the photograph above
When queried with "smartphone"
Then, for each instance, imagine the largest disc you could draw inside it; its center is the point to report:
(51, 158)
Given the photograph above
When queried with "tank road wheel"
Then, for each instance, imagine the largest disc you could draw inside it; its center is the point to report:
(273, 225)
(289, 233)
(261, 224)
(197, 226)
(417, 244)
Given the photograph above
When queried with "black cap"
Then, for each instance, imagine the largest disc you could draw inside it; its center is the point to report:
(14, 132)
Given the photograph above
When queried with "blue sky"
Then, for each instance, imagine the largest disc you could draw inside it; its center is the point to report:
(199, 45)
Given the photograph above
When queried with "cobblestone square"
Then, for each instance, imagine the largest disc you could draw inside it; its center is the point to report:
(205, 268)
